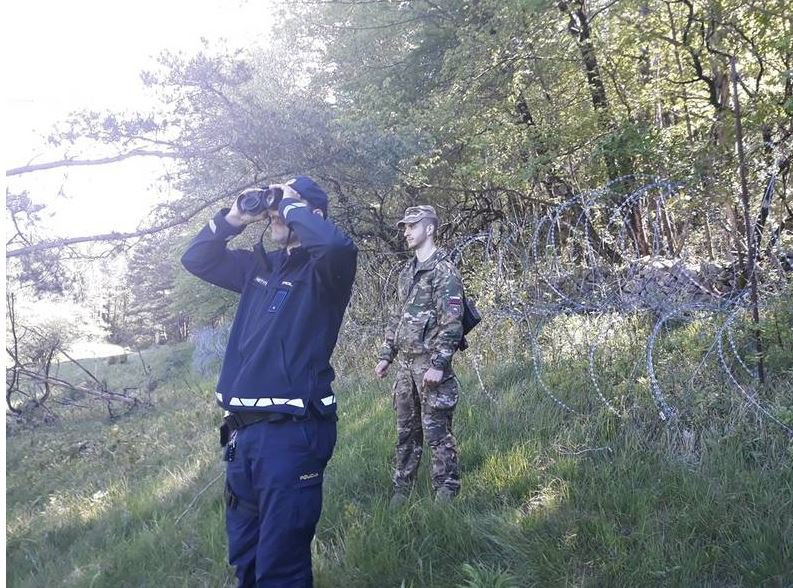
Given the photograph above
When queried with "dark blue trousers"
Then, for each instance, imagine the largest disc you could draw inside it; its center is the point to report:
(275, 480)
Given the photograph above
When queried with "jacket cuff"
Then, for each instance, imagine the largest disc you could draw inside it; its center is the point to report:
(387, 354)
(221, 228)
(439, 360)
(287, 205)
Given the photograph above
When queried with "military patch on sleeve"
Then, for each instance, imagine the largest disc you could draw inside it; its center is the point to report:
(455, 305)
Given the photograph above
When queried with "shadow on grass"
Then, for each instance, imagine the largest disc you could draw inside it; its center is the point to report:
(134, 542)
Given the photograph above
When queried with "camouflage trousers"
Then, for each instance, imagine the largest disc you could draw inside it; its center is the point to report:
(424, 413)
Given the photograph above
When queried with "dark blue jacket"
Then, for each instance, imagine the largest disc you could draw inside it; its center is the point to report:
(290, 311)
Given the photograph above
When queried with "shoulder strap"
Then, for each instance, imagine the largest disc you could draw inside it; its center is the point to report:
(416, 278)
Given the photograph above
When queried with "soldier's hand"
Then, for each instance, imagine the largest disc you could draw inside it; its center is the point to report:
(432, 377)
(382, 368)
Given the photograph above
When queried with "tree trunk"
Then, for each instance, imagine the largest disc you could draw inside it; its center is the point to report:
(750, 268)
(618, 166)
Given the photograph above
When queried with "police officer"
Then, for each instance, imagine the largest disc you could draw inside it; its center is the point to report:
(425, 330)
(275, 383)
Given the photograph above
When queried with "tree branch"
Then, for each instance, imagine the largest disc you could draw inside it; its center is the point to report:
(15, 171)
(114, 236)
(104, 394)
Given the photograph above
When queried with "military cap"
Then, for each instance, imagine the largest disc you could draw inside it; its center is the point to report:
(414, 214)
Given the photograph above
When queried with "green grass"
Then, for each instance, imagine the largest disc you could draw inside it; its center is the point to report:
(549, 499)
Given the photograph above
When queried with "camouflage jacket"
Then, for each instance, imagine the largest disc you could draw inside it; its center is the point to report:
(429, 316)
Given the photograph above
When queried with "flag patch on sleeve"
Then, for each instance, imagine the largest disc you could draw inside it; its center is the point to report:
(455, 305)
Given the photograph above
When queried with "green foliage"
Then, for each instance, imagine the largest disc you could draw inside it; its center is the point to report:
(511, 104)
(150, 316)
(493, 111)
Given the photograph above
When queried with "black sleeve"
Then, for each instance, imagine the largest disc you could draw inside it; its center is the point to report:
(208, 257)
(334, 252)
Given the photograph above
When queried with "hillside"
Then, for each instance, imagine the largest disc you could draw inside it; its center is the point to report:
(549, 498)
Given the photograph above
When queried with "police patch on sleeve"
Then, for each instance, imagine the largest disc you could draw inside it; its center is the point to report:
(455, 305)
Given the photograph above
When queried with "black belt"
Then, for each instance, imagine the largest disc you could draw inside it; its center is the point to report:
(238, 420)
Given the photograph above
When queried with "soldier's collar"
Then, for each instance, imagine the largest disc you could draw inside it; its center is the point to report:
(428, 263)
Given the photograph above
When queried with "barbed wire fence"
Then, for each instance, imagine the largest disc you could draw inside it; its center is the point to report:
(582, 276)
(587, 288)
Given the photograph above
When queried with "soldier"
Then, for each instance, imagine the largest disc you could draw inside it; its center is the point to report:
(425, 330)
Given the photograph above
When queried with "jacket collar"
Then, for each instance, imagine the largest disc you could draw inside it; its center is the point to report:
(429, 263)
(279, 260)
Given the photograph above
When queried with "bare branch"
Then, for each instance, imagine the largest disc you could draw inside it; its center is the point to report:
(15, 171)
(103, 394)
(114, 236)
(138, 152)
(117, 236)
(602, 9)
(83, 368)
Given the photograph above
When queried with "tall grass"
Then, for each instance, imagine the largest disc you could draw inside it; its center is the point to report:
(549, 498)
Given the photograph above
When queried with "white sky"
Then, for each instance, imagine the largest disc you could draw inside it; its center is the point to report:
(69, 55)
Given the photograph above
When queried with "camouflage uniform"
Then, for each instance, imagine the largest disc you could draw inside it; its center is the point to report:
(425, 330)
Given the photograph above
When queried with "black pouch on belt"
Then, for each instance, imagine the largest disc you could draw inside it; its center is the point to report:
(224, 434)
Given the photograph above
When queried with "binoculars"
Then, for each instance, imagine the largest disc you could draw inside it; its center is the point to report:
(257, 200)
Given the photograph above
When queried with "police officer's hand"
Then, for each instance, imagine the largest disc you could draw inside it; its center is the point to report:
(382, 368)
(289, 191)
(432, 377)
(236, 218)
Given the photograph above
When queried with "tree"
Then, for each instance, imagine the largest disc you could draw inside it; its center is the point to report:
(149, 316)
(498, 112)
